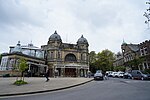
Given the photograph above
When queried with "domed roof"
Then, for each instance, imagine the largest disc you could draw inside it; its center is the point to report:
(55, 37)
(82, 40)
(17, 48)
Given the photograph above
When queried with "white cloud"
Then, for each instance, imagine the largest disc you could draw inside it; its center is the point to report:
(105, 23)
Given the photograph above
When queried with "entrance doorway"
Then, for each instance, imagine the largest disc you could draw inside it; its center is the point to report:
(59, 71)
(70, 72)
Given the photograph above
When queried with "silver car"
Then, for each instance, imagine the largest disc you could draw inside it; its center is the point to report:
(98, 75)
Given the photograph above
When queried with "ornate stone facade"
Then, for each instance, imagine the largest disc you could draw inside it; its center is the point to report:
(68, 60)
(118, 60)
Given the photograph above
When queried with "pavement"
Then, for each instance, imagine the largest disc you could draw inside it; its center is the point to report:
(38, 85)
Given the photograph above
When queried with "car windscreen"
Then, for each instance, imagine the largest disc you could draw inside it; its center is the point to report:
(144, 72)
(98, 71)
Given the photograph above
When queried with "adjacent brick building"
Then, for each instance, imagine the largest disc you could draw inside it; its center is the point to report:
(135, 51)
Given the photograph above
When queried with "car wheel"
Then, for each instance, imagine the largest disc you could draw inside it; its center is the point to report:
(142, 78)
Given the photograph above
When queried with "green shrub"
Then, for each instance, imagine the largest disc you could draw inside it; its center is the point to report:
(20, 82)
(119, 68)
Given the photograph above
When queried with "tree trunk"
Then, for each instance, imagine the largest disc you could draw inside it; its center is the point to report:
(17, 76)
(23, 76)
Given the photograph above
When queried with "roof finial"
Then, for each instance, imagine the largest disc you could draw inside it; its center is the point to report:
(18, 43)
(82, 36)
(30, 44)
(123, 42)
(55, 32)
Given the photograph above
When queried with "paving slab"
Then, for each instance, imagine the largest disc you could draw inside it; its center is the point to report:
(38, 85)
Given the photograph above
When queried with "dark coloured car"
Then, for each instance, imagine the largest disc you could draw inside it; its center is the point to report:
(98, 75)
(137, 74)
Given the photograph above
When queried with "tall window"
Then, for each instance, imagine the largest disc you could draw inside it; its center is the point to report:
(142, 52)
(145, 65)
(81, 56)
(145, 50)
(52, 55)
(58, 55)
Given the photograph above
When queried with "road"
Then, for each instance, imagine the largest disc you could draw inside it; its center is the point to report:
(112, 89)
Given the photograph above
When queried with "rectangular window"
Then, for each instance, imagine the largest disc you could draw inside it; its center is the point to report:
(58, 54)
(52, 55)
(145, 50)
(81, 56)
(145, 65)
(142, 52)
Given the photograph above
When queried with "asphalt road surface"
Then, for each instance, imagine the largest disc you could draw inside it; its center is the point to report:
(112, 89)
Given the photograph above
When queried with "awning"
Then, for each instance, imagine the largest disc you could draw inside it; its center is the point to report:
(42, 65)
(76, 66)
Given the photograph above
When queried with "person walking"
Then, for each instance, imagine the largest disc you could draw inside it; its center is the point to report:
(56, 73)
(47, 75)
(89, 74)
(106, 76)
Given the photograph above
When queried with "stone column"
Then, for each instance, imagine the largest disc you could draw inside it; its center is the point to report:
(62, 72)
(76, 72)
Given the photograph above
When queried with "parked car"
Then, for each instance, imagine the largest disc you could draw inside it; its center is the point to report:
(98, 75)
(120, 74)
(114, 74)
(137, 74)
(109, 73)
(127, 75)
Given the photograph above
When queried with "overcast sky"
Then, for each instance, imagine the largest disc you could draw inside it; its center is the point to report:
(104, 23)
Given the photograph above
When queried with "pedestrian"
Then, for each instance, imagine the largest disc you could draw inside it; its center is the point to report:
(47, 75)
(56, 73)
(89, 74)
(106, 76)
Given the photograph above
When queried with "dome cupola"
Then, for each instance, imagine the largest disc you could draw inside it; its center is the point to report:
(55, 37)
(82, 40)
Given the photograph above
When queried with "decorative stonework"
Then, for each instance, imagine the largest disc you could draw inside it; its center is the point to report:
(67, 57)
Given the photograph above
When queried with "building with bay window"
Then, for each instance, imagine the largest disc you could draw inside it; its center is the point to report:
(135, 51)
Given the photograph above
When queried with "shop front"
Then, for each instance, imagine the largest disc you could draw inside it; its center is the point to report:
(35, 69)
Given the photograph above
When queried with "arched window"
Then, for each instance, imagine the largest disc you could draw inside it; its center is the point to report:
(70, 57)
